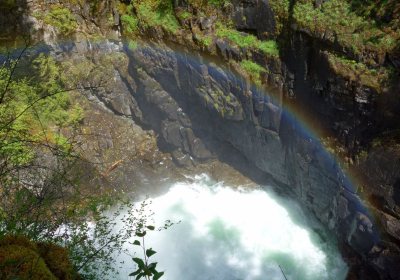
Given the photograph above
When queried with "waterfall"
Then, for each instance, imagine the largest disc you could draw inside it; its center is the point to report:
(236, 233)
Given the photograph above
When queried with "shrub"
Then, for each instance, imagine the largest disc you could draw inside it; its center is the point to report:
(186, 15)
(243, 41)
(352, 30)
(62, 19)
(268, 47)
(206, 40)
(354, 70)
(7, 5)
(252, 69)
(130, 24)
(247, 41)
(133, 45)
(156, 13)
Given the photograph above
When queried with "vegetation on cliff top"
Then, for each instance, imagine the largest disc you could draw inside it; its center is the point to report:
(164, 15)
(357, 71)
(152, 13)
(359, 25)
(247, 41)
(252, 69)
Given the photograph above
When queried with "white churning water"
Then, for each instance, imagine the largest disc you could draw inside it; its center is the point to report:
(228, 234)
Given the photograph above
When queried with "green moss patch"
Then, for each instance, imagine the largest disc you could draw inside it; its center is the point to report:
(21, 258)
(252, 69)
(130, 24)
(354, 70)
(247, 41)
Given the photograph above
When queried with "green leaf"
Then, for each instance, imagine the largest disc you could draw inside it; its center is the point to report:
(150, 227)
(139, 262)
(152, 267)
(150, 252)
(140, 276)
(136, 272)
(147, 271)
(141, 234)
(136, 242)
(158, 275)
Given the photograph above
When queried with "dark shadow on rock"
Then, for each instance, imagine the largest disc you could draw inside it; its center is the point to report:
(14, 25)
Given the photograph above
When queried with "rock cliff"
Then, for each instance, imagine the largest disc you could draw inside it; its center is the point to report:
(314, 111)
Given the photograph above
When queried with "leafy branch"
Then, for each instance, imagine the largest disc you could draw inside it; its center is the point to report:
(145, 270)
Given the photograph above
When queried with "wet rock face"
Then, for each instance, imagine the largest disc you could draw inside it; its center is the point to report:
(255, 17)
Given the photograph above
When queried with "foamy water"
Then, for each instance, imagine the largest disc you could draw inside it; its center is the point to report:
(236, 234)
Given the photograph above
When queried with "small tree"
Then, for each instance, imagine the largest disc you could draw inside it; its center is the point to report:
(41, 192)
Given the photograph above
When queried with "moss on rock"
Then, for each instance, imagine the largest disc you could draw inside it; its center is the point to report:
(21, 258)
(57, 259)
(20, 262)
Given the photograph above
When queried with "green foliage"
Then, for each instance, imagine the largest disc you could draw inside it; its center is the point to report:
(30, 105)
(207, 4)
(42, 195)
(206, 40)
(390, 138)
(281, 9)
(133, 45)
(247, 41)
(62, 19)
(93, 242)
(7, 5)
(358, 71)
(252, 69)
(186, 15)
(376, 10)
(146, 269)
(351, 29)
(357, 24)
(57, 108)
(130, 24)
(268, 47)
(39, 177)
(216, 3)
(242, 41)
(156, 13)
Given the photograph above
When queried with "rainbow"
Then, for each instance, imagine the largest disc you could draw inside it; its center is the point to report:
(306, 125)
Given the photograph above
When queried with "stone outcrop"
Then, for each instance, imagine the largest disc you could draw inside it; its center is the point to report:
(202, 109)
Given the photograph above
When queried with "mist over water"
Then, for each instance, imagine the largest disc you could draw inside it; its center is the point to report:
(236, 234)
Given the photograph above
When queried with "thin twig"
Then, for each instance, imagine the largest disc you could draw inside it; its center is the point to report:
(283, 272)
(112, 167)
